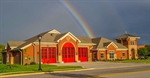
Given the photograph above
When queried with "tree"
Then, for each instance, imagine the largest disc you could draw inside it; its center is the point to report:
(2, 47)
(143, 52)
(148, 48)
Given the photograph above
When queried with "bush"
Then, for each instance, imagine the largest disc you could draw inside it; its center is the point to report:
(32, 63)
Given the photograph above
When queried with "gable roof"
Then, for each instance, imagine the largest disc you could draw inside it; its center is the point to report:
(45, 38)
(61, 36)
(102, 43)
(125, 36)
(53, 36)
(85, 40)
(14, 44)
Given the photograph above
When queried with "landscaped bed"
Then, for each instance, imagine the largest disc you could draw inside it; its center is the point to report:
(133, 61)
(4, 68)
(136, 61)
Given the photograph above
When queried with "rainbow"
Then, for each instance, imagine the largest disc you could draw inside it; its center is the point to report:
(83, 25)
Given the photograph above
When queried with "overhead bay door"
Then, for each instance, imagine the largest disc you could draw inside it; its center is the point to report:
(48, 55)
(82, 54)
(68, 53)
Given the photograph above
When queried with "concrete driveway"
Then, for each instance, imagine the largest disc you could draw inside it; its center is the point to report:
(102, 65)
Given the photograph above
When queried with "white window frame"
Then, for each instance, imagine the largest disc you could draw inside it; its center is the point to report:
(102, 55)
(123, 54)
(111, 54)
(132, 42)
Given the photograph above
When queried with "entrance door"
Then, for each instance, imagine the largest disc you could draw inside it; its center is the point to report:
(133, 53)
(83, 54)
(68, 53)
(17, 57)
(48, 55)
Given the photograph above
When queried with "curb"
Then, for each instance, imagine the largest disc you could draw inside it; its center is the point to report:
(34, 73)
(11, 75)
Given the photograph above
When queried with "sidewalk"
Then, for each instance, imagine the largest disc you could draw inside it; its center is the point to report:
(88, 65)
(11, 74)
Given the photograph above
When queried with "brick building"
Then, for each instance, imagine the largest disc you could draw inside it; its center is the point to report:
(59, 47)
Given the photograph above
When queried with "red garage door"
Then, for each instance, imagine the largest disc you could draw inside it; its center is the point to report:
(68, 53)
(83, 54)
(48, 55)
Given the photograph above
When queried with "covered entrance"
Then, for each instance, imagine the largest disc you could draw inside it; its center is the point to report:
(83, 54)
(17, 57)
(132, 53)
(68, 52)
(48, 55)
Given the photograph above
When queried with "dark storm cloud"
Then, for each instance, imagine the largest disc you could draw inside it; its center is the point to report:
(21, 19)
(110, 18)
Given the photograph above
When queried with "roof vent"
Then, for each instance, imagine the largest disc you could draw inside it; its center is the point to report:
(51, 34)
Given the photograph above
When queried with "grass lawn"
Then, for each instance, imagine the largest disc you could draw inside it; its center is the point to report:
(133, 61)
(136, 61)
(34, 68)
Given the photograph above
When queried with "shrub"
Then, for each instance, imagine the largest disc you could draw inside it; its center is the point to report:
(32, 63)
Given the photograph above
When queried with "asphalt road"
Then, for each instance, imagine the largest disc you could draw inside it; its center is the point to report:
(118, 72)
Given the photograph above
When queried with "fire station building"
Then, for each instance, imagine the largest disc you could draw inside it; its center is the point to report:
(59, 47)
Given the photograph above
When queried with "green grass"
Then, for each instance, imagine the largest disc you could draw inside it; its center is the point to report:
(136, 61)
(133, 61)
(34, 68)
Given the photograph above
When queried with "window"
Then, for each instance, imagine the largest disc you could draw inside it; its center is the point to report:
(8, 57)
(132, 42)
(95, 55)
(102, 55)
(111, 54)
(123, 54)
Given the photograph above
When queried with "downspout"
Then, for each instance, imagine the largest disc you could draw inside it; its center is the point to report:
(106, 55)
(34, 52)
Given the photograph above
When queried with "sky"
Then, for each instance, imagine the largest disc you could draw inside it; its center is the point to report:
(22, 19)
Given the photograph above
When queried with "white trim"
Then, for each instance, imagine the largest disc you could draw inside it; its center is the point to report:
(12, 47)
(98, 49)
(54, 31)
(102, 49)
(26, 46)
(6, 45)
(113, 45)
(134, 37)
(70, 35)
(45, 43)
(121, 49)
(86, 44)
(69, 42)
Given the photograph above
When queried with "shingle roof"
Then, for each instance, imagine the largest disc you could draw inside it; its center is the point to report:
(60, 35)
(120, 46)
(12, 44)
(124, 36)
(49, 36)
(84, 39)
(30, 40)
(102, 42)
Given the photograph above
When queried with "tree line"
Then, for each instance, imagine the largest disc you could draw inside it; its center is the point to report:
(2, 47)
(145, 51)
